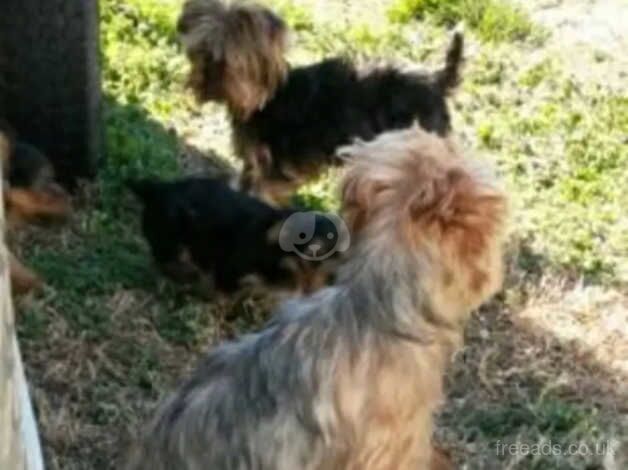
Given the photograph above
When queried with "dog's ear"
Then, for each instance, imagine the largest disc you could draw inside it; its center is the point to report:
(367, 185)
(462, 211)
(256, 19)
(202, 28)
(361, 186)
(435, 194)
(457, 199)
(359, 195)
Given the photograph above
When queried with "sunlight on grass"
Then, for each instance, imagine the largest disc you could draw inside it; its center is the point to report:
(491, 20)
(561, 143)
(109, 336)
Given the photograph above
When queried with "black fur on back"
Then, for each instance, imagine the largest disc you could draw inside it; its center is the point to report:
(227, 234)
(325, 105)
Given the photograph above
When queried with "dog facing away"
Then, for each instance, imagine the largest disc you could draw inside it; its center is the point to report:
(199, 228)
(349, 377)
(288, 122)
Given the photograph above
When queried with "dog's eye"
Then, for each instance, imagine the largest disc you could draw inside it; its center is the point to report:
(302, 236)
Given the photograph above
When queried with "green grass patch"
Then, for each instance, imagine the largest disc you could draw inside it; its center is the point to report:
(560, 145)
(491, 20)
(549, 417)
(296, 16)
(143, 75)
(180, 319)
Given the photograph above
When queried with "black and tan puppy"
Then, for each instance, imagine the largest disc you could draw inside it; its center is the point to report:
(31, 192)
(288, 121)
(33, 195)
(30, 195)
(199, 228)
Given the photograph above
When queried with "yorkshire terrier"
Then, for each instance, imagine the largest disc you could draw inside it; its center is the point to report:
(33, 195)
(349, 378)
(199, 229)
(287, 121)
(30, 194)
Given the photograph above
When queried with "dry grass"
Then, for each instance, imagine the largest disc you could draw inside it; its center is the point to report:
(544, 362)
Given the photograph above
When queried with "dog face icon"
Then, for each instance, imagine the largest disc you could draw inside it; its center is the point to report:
(314, 236)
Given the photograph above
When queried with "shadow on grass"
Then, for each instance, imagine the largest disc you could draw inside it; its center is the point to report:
(107, 334)
(102, 251)
(516, 381)
(107, 339)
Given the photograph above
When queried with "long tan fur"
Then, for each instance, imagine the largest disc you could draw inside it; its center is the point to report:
(350, 378)
(236, 53)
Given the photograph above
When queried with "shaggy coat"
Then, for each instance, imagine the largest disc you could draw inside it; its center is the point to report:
(349, 378)
(288, 122)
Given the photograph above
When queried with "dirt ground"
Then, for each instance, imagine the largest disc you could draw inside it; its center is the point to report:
(587, 32)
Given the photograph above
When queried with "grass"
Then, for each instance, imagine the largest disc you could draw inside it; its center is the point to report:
(491, 20)
(562, 144)
(108, 337)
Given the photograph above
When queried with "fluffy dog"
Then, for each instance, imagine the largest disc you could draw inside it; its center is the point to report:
(349, 378)
(288, 122)
(200, 226)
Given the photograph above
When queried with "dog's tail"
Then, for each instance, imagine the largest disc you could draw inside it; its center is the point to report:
(448, 78)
